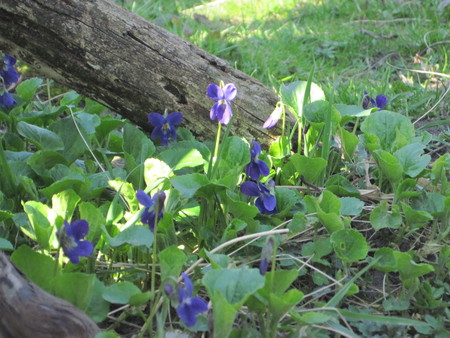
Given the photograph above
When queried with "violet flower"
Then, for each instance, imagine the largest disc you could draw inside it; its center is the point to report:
(379, 102)
(266, 201)
(151, 204)
(223, 95)
(7, 72)
(256, 167)
(8, 76)
(7, 100)
(70, 239)
(274, 117)
(189, 307)
(165, 126)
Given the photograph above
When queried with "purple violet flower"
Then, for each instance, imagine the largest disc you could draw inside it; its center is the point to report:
(223, 95)
(256, 167)
(274, 117)
(7, 100)
(189, 307)
(8, 76)
(266, 201)
(7, 72)
(263, 266)
(379, 102)
(70, 239)
(165, 126)
(151, 204)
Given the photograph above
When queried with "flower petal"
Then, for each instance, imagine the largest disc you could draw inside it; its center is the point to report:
(250, 189)
(80, 228)
(213, 112)
(72, 254)
(84, 248)
(187, 284)
(198, 305)
(230, 92)
(225, 116)
(7, 100)
(157, 120)
(255, 150)
(214, 92)
(144, 199)
(270, 202)
(270, 122)
(381, 101)
(186, 315)
(263, 265)
(174, 119)
(252, 170)
(263, 168)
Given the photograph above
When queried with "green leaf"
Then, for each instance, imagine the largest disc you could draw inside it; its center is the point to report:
(120, 292)
(236, 285)
(171, 262)
(218, 260)
(64, 203)
(98, 308)
(39, 215)
(178, 158)
(140, 299)
(393, 130)
(298, 223)
(280, 305)
(293, 95)
(430, 202)
(223, 315)
(155, 171)
(321, 247)
(280, 148)
(352, 111)
(69, 285)
(386, 260)
(137, 144)
(134, 235)
(43, 160)
(235, 154)
(408, 268)
(315, 113)
(35, 266)
(349, 142)
(27, 89)
(381, 218)
(341, 186)
(310, 168)
(5, 244)
(389, 165)
(411, 159)
(126, 189)
(74, 146)
(188, 185)
(40, 137)
(351, 206)
(89, 121)
(349, 245)
(92, 214)
(415, 218)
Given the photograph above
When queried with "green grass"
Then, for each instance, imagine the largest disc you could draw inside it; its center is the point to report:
(279, 41)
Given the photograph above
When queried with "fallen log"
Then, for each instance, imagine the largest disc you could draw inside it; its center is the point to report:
(130, 65)
(26, 310)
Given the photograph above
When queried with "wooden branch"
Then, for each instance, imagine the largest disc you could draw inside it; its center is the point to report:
(129, 64)
(26, 310)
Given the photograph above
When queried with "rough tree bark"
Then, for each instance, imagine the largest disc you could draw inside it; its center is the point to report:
(129, 64)
(28, 311)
